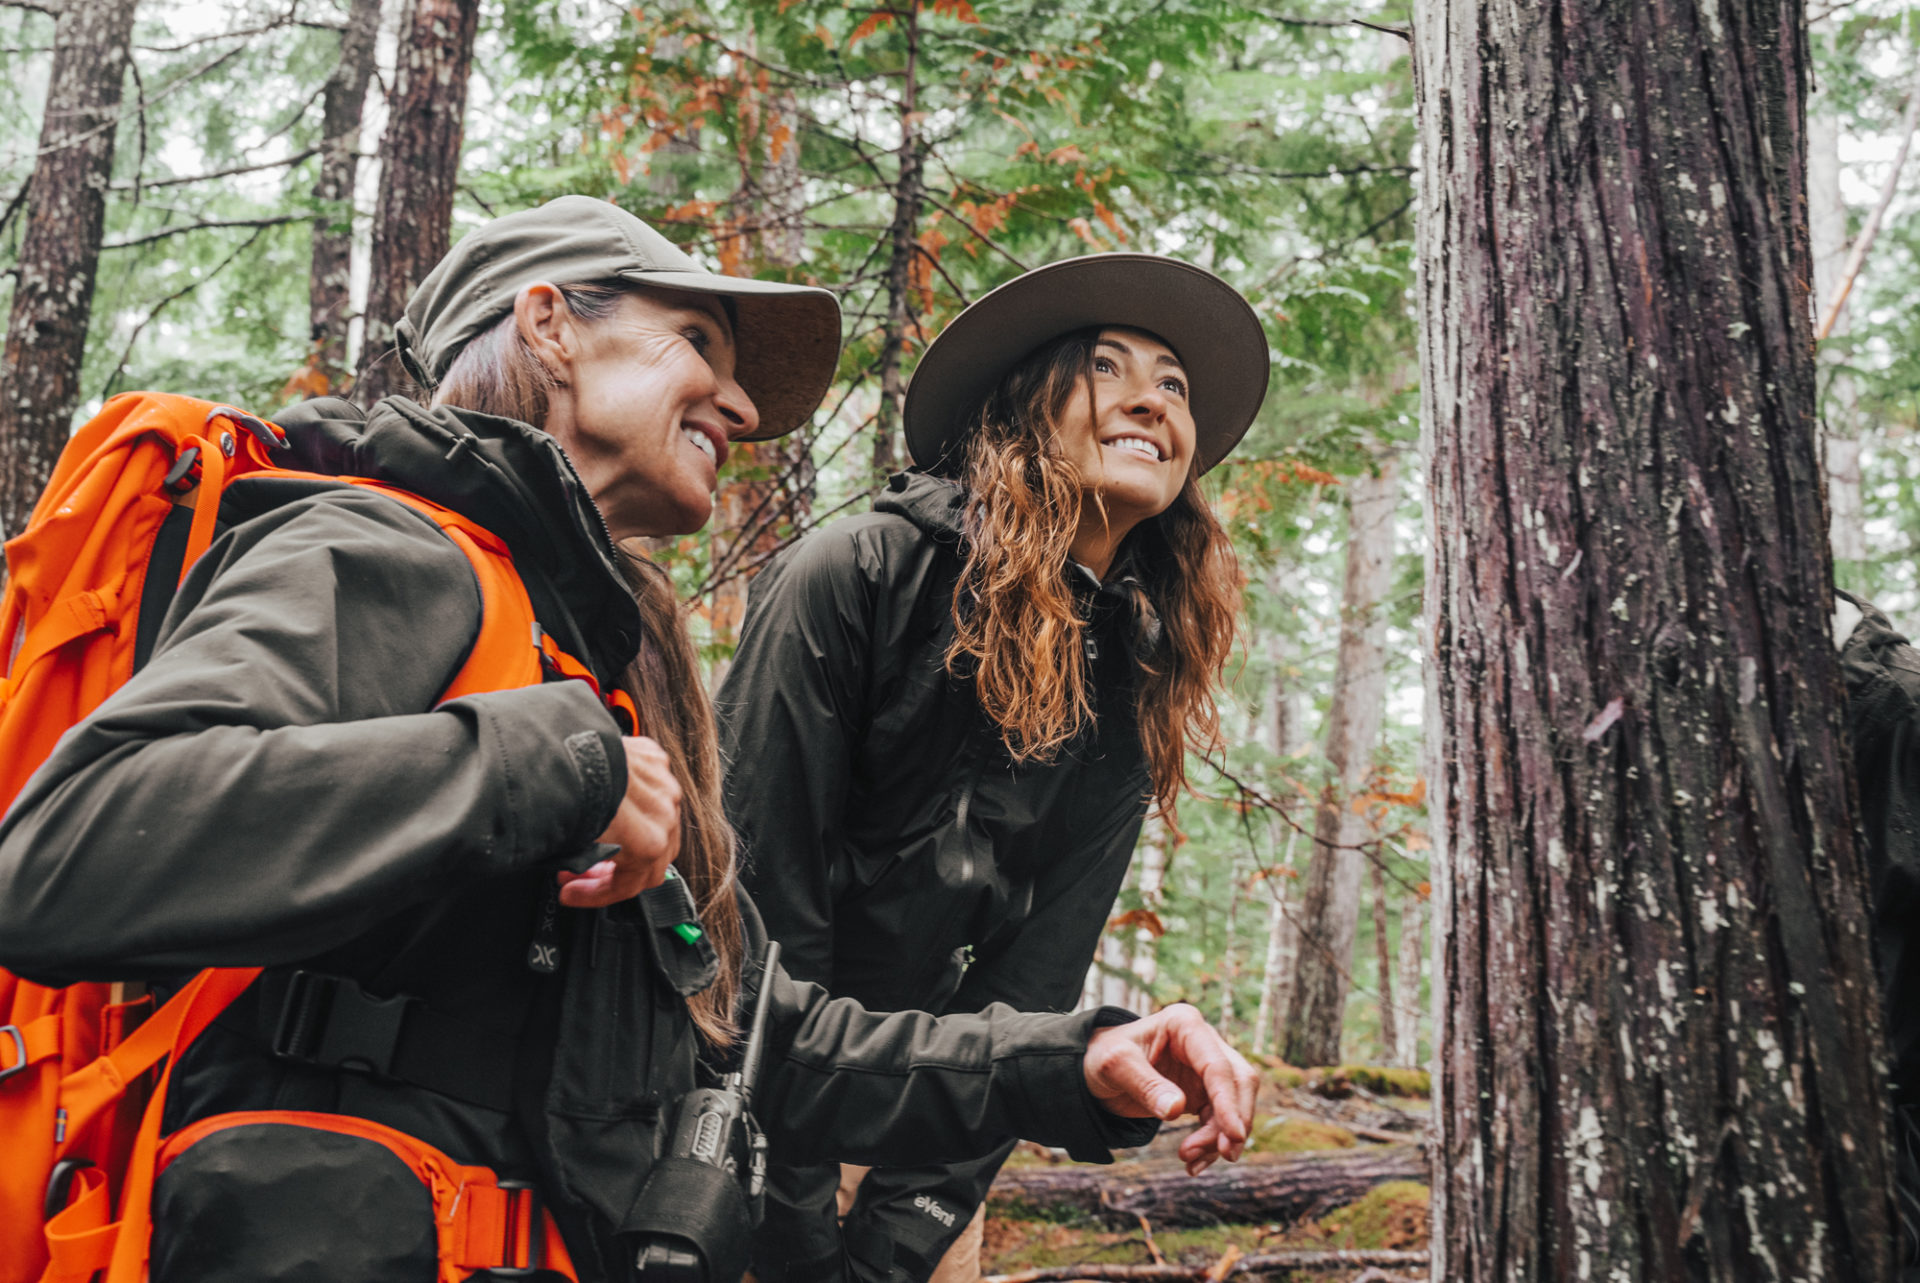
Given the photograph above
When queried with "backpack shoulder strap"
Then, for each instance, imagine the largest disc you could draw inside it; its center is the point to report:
(507, 653)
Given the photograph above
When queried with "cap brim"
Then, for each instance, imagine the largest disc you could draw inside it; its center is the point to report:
(786, 337)
(1213, 331)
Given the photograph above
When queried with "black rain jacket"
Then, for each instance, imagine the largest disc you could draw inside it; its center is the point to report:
(277, 787)
(1882, 673)
(898, 854)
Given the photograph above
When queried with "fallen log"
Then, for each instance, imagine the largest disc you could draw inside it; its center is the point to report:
(1283, 1191)
(1265, 1263)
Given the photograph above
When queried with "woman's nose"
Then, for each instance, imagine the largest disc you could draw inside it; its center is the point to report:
(1149, 402)
(737, 408)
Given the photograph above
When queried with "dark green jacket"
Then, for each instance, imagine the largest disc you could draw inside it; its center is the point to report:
(898, 854)
(277, 787)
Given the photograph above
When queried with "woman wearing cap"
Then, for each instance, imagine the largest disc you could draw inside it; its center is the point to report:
(451, 960)
(945, 721)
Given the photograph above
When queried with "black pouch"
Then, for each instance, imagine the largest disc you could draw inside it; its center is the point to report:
(327, 1198)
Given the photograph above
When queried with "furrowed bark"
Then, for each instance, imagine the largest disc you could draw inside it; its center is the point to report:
(1330, 899)
(330, 278)
(420, 167)
(60, 249)
(1658, 1023)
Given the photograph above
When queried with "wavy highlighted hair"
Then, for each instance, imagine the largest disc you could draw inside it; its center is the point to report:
(1017, 631)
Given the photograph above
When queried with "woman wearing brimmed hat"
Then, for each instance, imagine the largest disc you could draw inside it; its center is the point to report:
(945, 721)
(452, 962)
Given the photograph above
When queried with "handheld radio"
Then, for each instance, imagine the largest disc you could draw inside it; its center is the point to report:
(709, 1185)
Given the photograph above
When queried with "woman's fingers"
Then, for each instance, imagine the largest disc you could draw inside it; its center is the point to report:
(646, 828)
(1171, 1062)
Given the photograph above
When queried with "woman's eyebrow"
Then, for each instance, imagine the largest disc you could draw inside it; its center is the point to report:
(1165, 358)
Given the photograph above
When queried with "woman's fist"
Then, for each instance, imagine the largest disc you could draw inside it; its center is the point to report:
(646, 829)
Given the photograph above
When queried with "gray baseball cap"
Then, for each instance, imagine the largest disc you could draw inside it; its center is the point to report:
(1209, 326)
(787, 336)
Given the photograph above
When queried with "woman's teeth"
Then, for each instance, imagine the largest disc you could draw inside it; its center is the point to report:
(1145, 449)
(703, 441)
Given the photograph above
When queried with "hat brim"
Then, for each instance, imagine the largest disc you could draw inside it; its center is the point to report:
(786, 339)
(1209, 326)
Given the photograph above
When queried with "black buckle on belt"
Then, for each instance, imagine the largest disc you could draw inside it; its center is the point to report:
(535, 1243)
(332, 1022)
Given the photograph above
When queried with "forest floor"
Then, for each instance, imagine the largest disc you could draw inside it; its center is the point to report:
(1299, 1114)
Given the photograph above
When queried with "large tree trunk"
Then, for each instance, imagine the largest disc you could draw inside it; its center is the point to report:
(330, 279)
(419, 169)
(1658, 1029)
(60, 249)
(1285, 1190)
(1330, 907)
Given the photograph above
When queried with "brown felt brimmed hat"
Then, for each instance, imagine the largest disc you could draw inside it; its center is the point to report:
(1209, 326)
(786, 337)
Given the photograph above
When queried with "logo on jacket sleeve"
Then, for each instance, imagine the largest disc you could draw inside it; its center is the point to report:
(933, 1209)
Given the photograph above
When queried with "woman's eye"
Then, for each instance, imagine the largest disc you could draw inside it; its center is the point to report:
(1101, 365)
(700, 339)
(1174, 386)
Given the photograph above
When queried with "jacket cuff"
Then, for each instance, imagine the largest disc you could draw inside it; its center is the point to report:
(561, 771)
(1056, 1108)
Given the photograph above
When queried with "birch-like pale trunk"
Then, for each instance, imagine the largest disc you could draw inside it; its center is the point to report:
(1658, 1024)
(1840, 393)
(1330, 898)
(1406, 986)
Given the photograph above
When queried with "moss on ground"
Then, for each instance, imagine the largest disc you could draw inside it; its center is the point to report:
(1381, 1080)
(1298, 1135)
(1392, 1216)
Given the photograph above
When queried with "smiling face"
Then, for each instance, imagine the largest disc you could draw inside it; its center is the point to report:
(1130, 435)
(646, 403)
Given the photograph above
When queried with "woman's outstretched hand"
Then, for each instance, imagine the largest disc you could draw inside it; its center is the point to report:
(1174, 1063)
(646, 828)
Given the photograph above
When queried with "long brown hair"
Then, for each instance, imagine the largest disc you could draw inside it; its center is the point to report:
(1017, 631)
(498, 374)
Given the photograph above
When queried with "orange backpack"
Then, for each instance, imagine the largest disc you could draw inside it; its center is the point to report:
(132, 504)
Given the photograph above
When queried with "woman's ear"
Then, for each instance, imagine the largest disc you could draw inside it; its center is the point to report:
(546, 326)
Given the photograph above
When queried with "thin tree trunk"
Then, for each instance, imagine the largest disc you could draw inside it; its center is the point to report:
(60, 249)
(1383, 962)
(909, 194)
(1413, 922)
(419, 169)
(1840, 392)
(1330, 908)
(1229, 950)
(1658, 1031)
(1283, 946)
(767, 489)
(330, 279)
(1143, 949)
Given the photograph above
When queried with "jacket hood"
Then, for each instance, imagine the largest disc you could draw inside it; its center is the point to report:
(510, 478)
(935, 504)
